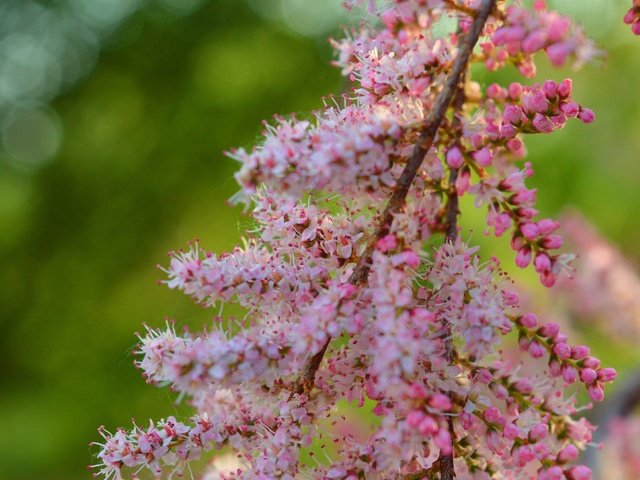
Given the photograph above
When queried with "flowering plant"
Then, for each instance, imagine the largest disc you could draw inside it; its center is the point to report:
(347, 298)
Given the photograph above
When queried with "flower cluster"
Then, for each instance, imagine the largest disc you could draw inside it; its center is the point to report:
(525, 32)
(358, 289)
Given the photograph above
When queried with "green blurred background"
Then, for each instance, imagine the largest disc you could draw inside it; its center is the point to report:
(114, 157)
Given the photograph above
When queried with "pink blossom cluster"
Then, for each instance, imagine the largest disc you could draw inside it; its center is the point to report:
(525, 32)
(632, 17)
(358, 289)
(569, 363)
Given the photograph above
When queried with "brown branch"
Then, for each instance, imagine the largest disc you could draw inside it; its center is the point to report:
(430, 127)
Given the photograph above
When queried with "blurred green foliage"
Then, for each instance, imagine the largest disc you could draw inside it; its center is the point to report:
(141, 172)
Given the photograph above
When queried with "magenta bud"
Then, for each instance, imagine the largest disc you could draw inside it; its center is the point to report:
(539, 432)
(570, 109)
(568, 454)
(428, 426)
(542, 263)
(547, 226)
(565, 87)
(523, 258)
(549, 330)
(536, 350)
(440, 401)
(454, 157)
(555, 368)
(587, 115)
(562, 351)
(492, 414)
(515, 91)
(550, 89)
(596, 392)
(511, 431)
(591, 362)
(607, 374)
(484, 376)
(417, 391)
(483, 157)
(414, 418)
(579, 352)
(569, 374)
(529, 320)
(552, 242)
(588, 375)
(579, 472)
(530, 231)
(631, 16)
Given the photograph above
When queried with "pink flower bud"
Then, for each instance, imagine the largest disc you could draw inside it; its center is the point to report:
(547, 226)
(542, 263)
(550, 89)
(569, 374)
(483, 157)
(607, 374)
(417, 391)
(588, 375)
(414, 418)
(443, 441)
(492, 415)
(558, 29)
(496, 92)
(549, 329)
(454, 157)
(513, 115)
(635, 28)
(562, 351)
(565, 87)
(552, 473)
(523, 385)
(555, 368)
(386, 243)
(535, 41)
(552, 242)
(523, 455)
(535, 102)
(548, 279)
(484, 376)
(539, 432)
(536, 350)
(596, 392)
(631, 16)
(558, 53)
(568, 454)
(542, 124)
(570, 109)
(579, 472)
(511, 431)
(529, 320)
(428, 426)
(507, 131)
(523, 258)
(579, 352)
(463, 182)
(587, 115)
(530, 231)
(516, 146)
(591, 362)
(515, 91)
(441, 402)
